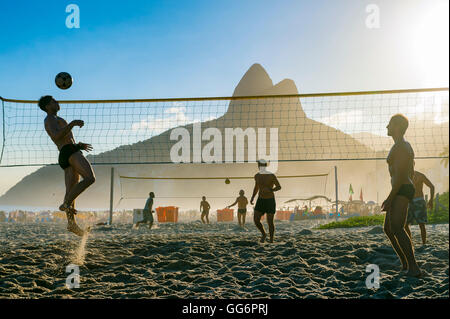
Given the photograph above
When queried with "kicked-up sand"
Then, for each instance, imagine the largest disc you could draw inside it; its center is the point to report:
(192, 260)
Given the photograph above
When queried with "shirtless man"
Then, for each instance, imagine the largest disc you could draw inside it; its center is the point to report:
(204, 209)
(242, 207)
(264, 184)
(418, 207)
(71, 160)
(401, 169)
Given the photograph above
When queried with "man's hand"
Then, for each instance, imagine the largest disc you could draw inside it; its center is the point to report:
(85, 147)
(387, 204)
(430, 204)
(79, 123)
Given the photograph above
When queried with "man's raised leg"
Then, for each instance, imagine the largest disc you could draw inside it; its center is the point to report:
(71, 179)
(82, 167)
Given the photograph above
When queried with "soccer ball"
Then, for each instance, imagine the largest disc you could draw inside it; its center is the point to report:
(63, 80)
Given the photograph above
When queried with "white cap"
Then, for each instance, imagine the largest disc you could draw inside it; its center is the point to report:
(262, 162)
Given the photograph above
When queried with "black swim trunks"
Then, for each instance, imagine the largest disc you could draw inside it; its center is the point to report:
(242, 210)
(407, 190)
(265, 205)
(65, 152)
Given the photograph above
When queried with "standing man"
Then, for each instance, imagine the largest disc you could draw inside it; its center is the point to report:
(148, 212)
(264, 185)
(71, 160)
(204, 209)
(418, 207)
(401, 169)
(242, 202)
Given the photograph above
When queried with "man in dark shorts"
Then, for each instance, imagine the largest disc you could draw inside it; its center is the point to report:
(401, 169)
(71, 160)
(148, 212)
(264, 185)
(418, 207)
(242, 202)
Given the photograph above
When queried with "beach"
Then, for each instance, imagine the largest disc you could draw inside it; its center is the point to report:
(220, 260)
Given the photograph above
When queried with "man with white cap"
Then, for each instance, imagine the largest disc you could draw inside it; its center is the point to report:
(264, 185)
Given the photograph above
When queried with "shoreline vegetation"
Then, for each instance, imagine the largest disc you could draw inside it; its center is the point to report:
(441, 216)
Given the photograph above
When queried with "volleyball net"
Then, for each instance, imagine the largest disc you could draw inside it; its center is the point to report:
(300, 127)
(220, 190)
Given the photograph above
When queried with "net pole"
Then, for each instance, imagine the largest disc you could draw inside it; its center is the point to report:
(336, 182)
(111, 196)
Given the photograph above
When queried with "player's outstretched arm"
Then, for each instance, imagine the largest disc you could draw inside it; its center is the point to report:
(56, 133)
(85, 147)
(255, 191)
(427, 182)
(277, 184)
(233, 204)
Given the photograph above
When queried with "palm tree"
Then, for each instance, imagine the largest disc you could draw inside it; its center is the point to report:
(445, 153)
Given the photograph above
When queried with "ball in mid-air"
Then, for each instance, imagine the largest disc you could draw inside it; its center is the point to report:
(227, 181)
(63, 80)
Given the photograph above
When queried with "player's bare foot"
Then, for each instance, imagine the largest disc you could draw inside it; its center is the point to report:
(64, 207)
(263, 238)
(404, 266)
(74, 228)
(414, 272)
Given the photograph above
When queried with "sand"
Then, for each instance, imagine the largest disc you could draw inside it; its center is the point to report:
(192, 260)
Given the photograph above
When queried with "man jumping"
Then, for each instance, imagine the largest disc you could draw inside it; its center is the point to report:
(71, 160)
(401, 169)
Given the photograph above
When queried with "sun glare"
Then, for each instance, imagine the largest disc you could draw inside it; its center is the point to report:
(431, 46)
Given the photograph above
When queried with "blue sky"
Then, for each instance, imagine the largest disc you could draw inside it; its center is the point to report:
(140, 49)
(156, 49)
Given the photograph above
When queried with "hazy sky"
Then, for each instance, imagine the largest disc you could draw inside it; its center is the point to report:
(202, 48)
(151, 49)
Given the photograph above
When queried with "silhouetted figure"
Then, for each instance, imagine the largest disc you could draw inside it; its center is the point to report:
(148, 212)
(242, 202)
(204, 209)
(70, 158)
(264, 185)
(401, 169)
(418, 207)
